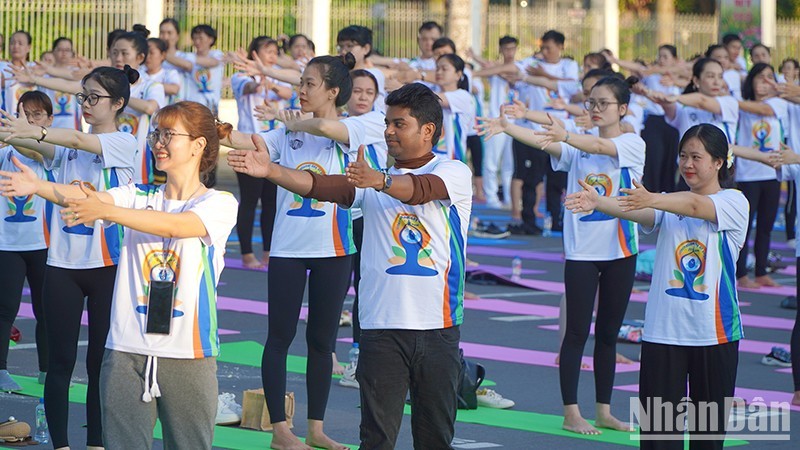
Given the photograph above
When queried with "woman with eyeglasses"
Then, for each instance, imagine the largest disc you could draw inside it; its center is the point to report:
(146, 95)
(82, 260)
(600, 250)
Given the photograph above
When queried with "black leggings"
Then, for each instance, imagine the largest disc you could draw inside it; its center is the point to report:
(64, 292)
(581, 279)
(660, 162)
(475, 146)
(327, 287)
(252, 190)
(358, 237)
(764, 197)
(795, 343)
(790, 209)
(16, 266)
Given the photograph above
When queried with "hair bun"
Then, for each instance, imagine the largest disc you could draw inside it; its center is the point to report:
(349, 60)
(224, 129)
(131, 73)
(631, 81)
(139, 28)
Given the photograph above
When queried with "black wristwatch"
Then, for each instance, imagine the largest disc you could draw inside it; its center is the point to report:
(387, 181)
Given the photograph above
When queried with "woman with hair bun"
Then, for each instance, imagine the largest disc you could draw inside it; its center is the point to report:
(600, 250)
(309, 236)
(82, 260)
(692, 324)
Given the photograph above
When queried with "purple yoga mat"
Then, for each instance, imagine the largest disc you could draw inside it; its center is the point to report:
(747, 394)
(501, 270)
(774, 323)
(509, 307)
(26, 310)
(236, 263)
(510, 253)
(521, 356)
(242, 305)
(788, 270)
(783, 291)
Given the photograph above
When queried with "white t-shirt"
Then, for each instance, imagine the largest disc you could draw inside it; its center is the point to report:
(457, 118)
(373, 124)
(168, 76)
(66, 110)
(689, 116)
(499, 91)
(764, 133)
(793, 126)
(413, 256)
(204, 85)
(693, 299)
(539, 98)
(478, 94)
(380, 100)
(80, 246)
(11, 90)
(305, 227)
(635, 116)
(197, 263)
(428, 65)
(734, 81)
(25, 220)
(246, 104)
(653, 82)
(138, 125)
(598, 236)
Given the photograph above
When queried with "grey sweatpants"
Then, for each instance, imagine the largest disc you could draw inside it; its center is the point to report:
(187, 406)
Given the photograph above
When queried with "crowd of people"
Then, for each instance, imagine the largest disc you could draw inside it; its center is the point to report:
(366, 164)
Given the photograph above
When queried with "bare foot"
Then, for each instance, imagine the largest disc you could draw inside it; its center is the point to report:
(250, 261)
(284, 439)
(796, 398)
(579, 425)
(746, 282)
(471, 263)
(322, 440)
(612, 423)
(338, 369)
(265, 259)
(622, 359)
(766, 280)
(471, 295)
(583, 364)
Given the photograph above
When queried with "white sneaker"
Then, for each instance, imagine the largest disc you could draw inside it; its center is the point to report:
(228, 411)
(791, 243)
(349, 377)
(491, 399)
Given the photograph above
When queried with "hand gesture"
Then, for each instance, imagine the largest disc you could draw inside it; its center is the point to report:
(554, 132)
(637, 198)
(584, 121)
(256, 163)
(290, 118)
(512, 78)
(18, 184)
(361, 175)
(516, 110)
(488, 127)
(20, 74)
(83, 211)
(785, 156)
(18, 127)
(535, 71)
(406, 76)
(265, 111)
(584, 201)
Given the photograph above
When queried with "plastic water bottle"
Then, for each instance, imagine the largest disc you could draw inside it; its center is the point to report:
(41, 424)
(547, 228)
(354, 355)
(516, 268)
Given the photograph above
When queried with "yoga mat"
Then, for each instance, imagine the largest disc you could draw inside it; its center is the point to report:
(788, 270)
(746, 393)
(249, 306)
(528, 357)
(500, 270)
(784, 291)
(510, 253)
(225, 437)
(773, 323)
(509, 307)
(471, 240)
(236, 263)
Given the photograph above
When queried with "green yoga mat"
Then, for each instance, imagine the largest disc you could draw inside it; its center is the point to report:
(248, 353)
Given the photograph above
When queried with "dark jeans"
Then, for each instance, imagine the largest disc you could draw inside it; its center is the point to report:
(394, 362)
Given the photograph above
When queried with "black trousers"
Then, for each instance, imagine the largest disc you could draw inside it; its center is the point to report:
(711, 374)
(530, 166)
(394, 362)
(251, 190)
(661, 159)
(790, 209)
(764, 197)
(16, 267)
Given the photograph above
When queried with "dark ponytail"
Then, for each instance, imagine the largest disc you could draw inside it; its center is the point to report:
(697, 70)
(458, 64)
(619, 87)
(335, 73)
(138, 40)
(115, 81)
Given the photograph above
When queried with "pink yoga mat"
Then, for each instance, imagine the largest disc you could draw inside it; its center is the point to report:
(26, 311)
(521, 356)
(775, 323)
(747, 394)
(509, 307)
(784, 291)
(788, 270)
(242, 305)
(510, 253)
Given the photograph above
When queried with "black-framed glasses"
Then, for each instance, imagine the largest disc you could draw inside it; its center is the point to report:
(91, 98)
(602, 105)
(162, 137)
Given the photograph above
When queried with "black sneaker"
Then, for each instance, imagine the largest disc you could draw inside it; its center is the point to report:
(789, 302)
(524, 229)
(490, 231)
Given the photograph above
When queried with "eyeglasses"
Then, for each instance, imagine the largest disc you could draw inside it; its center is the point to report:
(162, 137)
(602, 105)
(36, 115)
(91, 98)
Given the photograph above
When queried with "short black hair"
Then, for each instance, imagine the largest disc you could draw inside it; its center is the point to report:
(713, 47)
(207, 30)
(670, 48)
(755, 46)
(172, 22)
(508, 40)
(60, 40)
(160, 44)
(422, 103)
(730, 37)
(444, 42)
(555, 36)
(37, 98)
(356, 33)
(359, 73)
(748, 90)
(430, 25)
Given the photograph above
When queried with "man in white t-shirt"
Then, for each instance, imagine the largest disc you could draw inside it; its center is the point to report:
(416, 216)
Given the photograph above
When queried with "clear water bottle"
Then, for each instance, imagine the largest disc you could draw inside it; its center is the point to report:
(354, 355)
(516, 268)
(547, 228)
(41, 424)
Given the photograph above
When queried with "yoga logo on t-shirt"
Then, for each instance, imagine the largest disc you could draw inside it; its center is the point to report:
(80, 229)
(413, 256)
(20, 209)
(690, 258)
(761, 132)
(128, 123)
(203, 78)
(604, 186)
(307, 207)
(63, 103)
(155, 259)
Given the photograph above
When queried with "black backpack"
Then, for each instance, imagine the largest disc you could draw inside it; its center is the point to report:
(469, 379)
